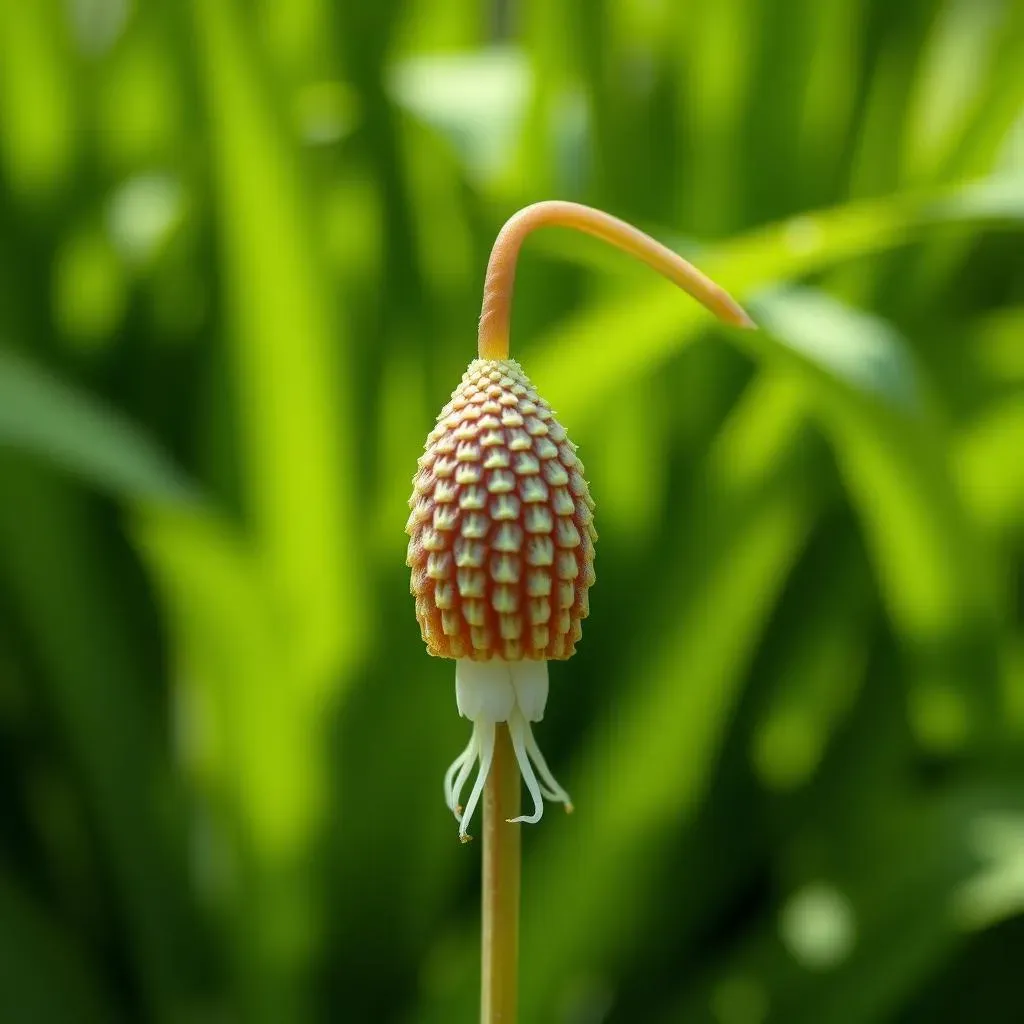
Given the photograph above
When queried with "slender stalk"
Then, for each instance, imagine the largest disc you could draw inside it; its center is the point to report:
(501, 268)
(499, 974)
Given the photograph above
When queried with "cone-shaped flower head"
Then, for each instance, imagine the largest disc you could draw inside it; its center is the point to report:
(502, 523)
(502, 548)
(502, 556)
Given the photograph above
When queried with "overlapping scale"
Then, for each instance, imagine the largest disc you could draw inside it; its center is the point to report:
(501, 525)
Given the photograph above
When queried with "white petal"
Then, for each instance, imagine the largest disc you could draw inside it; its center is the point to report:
(483, 690)
(530, 679)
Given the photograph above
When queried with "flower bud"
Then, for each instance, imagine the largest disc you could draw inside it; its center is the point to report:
(501, 525)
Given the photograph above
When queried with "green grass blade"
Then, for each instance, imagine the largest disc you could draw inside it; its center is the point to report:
(57, 570)
(43, 977)
(70, 429)
(812, 683)
(983, 453)
(37, 100)
(287, 352)
(251, 749)
(934, 570)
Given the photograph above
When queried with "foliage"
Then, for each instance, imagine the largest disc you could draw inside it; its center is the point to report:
(241, 248)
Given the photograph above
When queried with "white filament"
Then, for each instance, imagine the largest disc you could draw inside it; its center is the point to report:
(486, 756)
(552, 790)
(518, 727)
(488, 692)
(459, 770)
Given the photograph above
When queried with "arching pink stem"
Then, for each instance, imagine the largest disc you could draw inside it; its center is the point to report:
(501, 268)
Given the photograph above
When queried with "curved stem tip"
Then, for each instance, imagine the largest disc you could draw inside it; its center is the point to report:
(501, 268)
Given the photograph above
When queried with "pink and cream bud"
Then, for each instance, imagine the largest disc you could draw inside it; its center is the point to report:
(502, 556)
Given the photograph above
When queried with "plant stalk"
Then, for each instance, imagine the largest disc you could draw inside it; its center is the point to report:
(499, 974)
(493, 336)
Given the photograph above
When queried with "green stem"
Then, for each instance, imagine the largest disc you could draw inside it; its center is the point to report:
(499, 976)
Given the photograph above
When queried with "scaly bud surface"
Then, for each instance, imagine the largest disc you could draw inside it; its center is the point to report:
(501, 525)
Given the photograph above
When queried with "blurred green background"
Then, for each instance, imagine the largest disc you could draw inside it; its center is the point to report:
(241, 254)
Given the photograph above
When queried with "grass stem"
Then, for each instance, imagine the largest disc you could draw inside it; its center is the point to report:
(499, 977)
